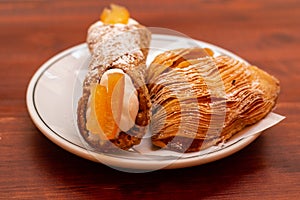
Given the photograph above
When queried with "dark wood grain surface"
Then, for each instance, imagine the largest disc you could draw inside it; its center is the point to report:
(266, 33)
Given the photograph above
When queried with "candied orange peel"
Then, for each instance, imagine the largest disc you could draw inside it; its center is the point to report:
(106, 107)
(209, 51)
(116, 14)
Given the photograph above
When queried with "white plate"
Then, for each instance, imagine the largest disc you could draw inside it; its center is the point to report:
(55, 88)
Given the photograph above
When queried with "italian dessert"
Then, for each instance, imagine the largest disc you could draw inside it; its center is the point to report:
(114, 110)
(200, 100)
(190, 98)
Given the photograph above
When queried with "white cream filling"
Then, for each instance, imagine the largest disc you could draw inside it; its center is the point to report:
(130, 22)
(130, 101)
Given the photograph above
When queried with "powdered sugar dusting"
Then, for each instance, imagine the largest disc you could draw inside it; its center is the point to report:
(108, 42)
(114, 45)
(129, 58)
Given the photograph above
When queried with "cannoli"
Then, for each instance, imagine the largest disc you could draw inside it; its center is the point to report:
(113, 112)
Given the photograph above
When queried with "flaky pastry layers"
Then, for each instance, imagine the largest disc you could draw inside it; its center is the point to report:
(200, 100)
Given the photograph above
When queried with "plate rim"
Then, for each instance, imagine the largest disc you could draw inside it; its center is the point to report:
(117, 161)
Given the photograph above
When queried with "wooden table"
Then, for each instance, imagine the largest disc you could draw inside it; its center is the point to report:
(266, 33)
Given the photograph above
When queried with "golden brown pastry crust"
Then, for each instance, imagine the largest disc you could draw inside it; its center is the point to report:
(135, 70)
(108, 53)
(199, 100)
